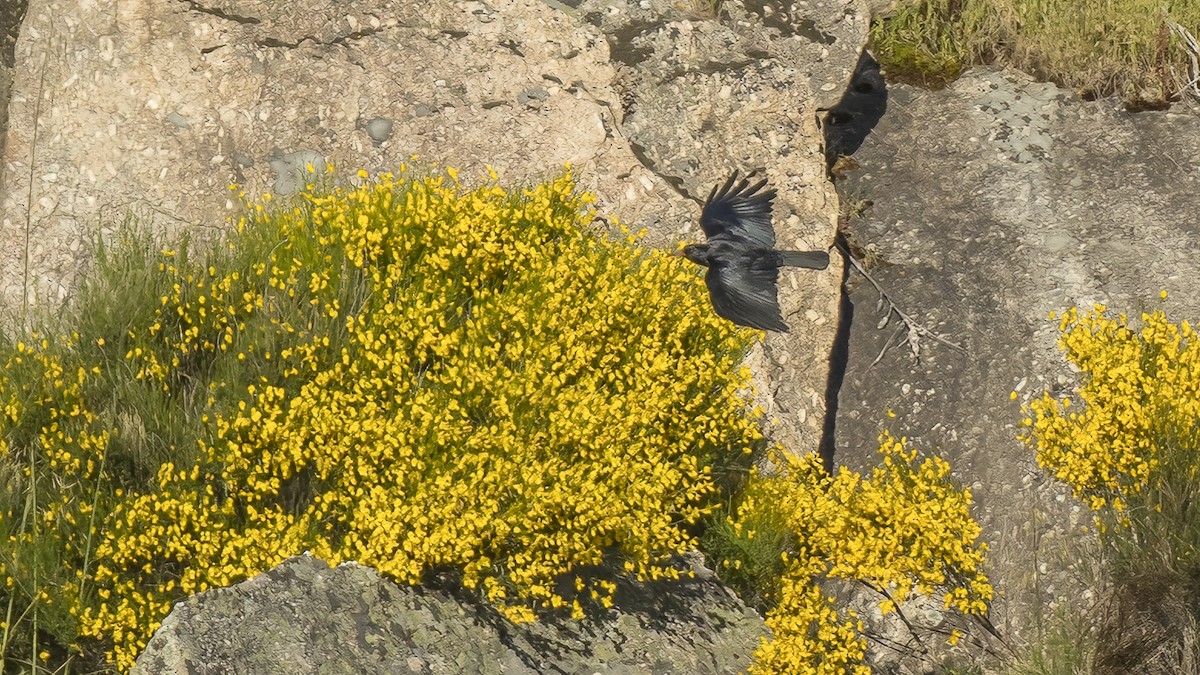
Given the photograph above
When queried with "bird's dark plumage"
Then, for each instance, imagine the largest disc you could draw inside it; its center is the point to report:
(743, 265)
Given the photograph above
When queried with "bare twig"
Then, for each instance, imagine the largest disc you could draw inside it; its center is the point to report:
(923, 651)
(903, 648)
(912, 629)
(915, 331)
(990, 627)
(887, 345)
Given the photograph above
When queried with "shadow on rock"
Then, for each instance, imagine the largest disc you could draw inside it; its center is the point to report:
(11, 15)
(687, 626)
(863, 104)
(846, 126)
(839, 358)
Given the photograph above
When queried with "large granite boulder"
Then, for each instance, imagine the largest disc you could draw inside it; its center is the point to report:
(303, 617)
(991, 204)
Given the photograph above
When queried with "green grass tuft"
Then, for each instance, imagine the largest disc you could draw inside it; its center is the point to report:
(1097, 47)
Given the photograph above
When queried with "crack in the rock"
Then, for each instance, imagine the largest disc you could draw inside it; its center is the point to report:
(221, 14)
(675, 182)
(357, 35)
(577, 87)
(513, 46)
(708, 68)
(274, 42)
(341, 40)
(839, 359)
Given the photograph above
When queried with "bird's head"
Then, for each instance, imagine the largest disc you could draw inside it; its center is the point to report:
(697, 253)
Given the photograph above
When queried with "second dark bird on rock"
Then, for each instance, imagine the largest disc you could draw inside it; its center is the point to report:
(743, 264)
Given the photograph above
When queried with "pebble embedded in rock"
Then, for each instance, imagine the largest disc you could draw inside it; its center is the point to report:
(379, 129)
(178, 120)
(533, 97)
(422, 110)
(291, 170)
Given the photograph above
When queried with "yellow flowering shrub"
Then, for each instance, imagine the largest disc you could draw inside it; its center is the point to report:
(1129, 442)
(432, 380)
(1140, 399)
(905, 529)
(422, 377)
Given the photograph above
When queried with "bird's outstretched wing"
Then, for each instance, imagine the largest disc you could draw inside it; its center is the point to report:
(746, 294)
(738, 211)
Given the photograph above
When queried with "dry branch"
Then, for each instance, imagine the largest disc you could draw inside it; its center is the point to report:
(914, 331)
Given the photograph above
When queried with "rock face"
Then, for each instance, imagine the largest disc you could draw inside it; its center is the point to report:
(702, 97)
(995, 202)
(154, 107)
(303, 617)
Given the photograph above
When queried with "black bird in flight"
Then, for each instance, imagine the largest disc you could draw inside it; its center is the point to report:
(743, 264)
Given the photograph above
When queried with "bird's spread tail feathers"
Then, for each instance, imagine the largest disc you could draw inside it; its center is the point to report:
(817, 260)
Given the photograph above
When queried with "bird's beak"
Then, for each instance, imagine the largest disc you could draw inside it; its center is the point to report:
(678, 253)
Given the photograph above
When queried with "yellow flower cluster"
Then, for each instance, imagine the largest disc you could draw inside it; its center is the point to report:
(809, 636)
(53, 449)
(53, 410)
(1140, 398)
(450, 380)
(907, 528)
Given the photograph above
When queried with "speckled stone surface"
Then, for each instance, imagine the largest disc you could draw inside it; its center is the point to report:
(702, 97)
(303, 617)
(995, 202)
